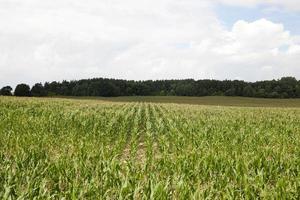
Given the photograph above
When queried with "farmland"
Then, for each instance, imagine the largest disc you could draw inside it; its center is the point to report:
(208, 100)
(95, 149)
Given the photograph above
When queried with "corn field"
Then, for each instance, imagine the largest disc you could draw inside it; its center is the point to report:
(85, 149)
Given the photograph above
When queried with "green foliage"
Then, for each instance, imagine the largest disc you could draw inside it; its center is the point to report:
(248, 91)
(38, 90)
(286, 87)
(6, 91)
(230, 92)
(66, 149)
(22, 90)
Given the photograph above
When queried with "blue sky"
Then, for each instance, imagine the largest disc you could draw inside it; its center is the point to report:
(229, 14)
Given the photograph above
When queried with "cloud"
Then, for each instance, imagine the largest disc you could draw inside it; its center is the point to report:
(293, 5)
(137, 39)
(259, 36)
(260, 50)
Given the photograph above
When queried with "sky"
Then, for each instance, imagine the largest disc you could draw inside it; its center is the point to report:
(148, 39)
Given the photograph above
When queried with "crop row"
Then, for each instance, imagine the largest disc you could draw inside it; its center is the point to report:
(97, 150)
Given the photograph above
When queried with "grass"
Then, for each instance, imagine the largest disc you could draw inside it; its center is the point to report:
(93, 149)
(210, 100)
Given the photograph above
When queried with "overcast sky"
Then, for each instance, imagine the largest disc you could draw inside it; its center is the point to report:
(148, 39)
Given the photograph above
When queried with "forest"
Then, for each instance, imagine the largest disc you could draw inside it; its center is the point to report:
(286, 87)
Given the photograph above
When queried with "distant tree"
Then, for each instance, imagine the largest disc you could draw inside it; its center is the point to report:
(248, 91)
(284, 95)
(289, 80)
(109, 89)
(81, 90)
(201, 89)
(143, 90)
(230, 92)
(260, 93)
(53, 88)
(185, 89)
(297, 91)
(273, 95)
(277, 89)
(6, 91)
(38, 90)
(286, 87)
(66, 88)
(162, 93)
(22, 90)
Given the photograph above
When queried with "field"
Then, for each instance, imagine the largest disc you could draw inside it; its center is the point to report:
(94, 149)
(212, 100)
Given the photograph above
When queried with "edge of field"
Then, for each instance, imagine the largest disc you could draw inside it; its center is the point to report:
(209, 100)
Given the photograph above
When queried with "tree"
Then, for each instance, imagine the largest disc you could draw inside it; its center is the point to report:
(286, 87)
(288, 84)
(273, 95)
(22, 90)
(185, 88)
(297, 92)
(108, 89)
(230, 92)
(6, 91)
(38, 90)
(248, 91)
(260, 93)
(81, 90)
(289, 80)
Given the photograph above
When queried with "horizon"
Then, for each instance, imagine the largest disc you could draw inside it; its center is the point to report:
(76, 80)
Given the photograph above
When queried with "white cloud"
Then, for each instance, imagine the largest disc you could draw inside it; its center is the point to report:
(294, 49)
(293, 5)
(137, 39)
(258, 48)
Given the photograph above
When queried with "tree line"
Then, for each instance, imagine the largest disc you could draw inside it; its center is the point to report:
(286, 87)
